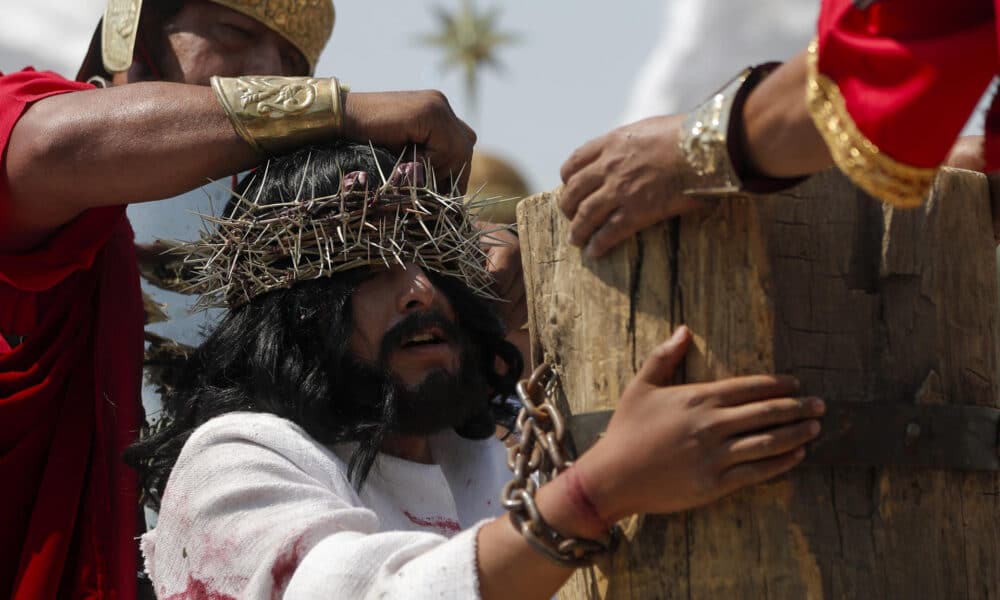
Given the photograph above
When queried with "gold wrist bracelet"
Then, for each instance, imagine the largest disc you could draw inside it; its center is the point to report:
(277, 113)
(704, 142)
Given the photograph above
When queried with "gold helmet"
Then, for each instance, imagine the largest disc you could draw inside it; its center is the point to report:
(306, 24)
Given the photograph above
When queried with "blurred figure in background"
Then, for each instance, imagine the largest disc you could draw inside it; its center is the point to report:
(682, 69)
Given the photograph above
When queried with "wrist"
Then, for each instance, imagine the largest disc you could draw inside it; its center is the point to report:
(781, 139)
(567, 510)
(357, 122)
(352, 109)
(598, 478)
(714, 141)
(569, 507)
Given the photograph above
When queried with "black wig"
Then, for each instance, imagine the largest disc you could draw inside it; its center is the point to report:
(285, 351)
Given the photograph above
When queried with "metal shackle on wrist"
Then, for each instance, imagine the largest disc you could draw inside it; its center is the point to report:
(541, 452)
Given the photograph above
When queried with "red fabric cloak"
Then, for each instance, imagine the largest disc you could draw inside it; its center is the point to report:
(893, 82)
(69, 394)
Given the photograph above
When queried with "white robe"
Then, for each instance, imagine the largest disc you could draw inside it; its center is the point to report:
(255, 508)
(705, 43)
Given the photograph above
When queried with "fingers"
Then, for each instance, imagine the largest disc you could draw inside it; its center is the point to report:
(513, 308)
(515, 313)
(422, 119)
(740, 390)
(614, 230)
(449, 140)
(746, 474)
(579, 187)
(623, 224)
(659, 366)
(754, 416)
(591, 215)
(465, 167)
(967, 153)
(770, 443)
(453, 157)
(581, 157)
(503, 250)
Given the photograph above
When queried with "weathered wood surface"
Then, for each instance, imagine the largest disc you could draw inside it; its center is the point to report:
(862, 303)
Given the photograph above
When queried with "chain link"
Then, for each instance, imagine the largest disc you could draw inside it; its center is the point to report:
(540, 452)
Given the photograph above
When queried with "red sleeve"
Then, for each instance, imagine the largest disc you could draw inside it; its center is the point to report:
(899, 79)
(75, 245)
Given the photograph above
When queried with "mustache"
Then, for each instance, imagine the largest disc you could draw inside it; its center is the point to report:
(413, 324)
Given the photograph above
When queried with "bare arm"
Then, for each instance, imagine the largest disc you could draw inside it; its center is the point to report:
(668, 448)
(126, 144)
(782, 140)
(148, 141)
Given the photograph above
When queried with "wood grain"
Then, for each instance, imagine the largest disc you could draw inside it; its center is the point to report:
(861, 302)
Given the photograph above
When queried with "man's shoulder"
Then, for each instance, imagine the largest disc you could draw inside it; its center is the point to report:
(28, 84)
(250, 426)
(263, 432)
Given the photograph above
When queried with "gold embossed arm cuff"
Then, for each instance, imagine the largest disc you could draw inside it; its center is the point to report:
(713, 145)
(274, 114)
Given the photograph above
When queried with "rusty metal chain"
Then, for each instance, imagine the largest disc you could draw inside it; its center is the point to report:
(541, 451)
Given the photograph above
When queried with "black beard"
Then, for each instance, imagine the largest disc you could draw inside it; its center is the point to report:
(441, 401)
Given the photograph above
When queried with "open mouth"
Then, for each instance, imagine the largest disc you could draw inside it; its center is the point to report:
(424, 338)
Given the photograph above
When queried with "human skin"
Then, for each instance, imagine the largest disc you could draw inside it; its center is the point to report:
(699, 441)
(504, 264)
(380, 302)
(144, 140)
(628, 179)
(967, 153)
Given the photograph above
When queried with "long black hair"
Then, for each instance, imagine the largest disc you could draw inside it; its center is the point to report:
(285, 351)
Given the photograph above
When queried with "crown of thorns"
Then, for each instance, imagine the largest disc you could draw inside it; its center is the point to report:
(265, 244)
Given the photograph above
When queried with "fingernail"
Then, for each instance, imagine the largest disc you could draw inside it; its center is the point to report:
(678, 334)
(814, 427)
(408, 174)
(817, 406)
(419, 175)
(355, 179)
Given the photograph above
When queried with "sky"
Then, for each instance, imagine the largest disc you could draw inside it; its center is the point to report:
(566, 80)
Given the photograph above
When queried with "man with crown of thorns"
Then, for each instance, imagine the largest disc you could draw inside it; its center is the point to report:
(333, 436)
(172, 93)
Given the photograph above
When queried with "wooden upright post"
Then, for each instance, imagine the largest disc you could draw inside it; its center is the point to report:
(862, 303)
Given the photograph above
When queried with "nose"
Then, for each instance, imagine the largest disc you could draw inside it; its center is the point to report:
(416, 290)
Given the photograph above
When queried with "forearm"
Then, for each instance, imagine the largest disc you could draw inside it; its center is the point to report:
(510, 568)
(128, 144)
(781, 138)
